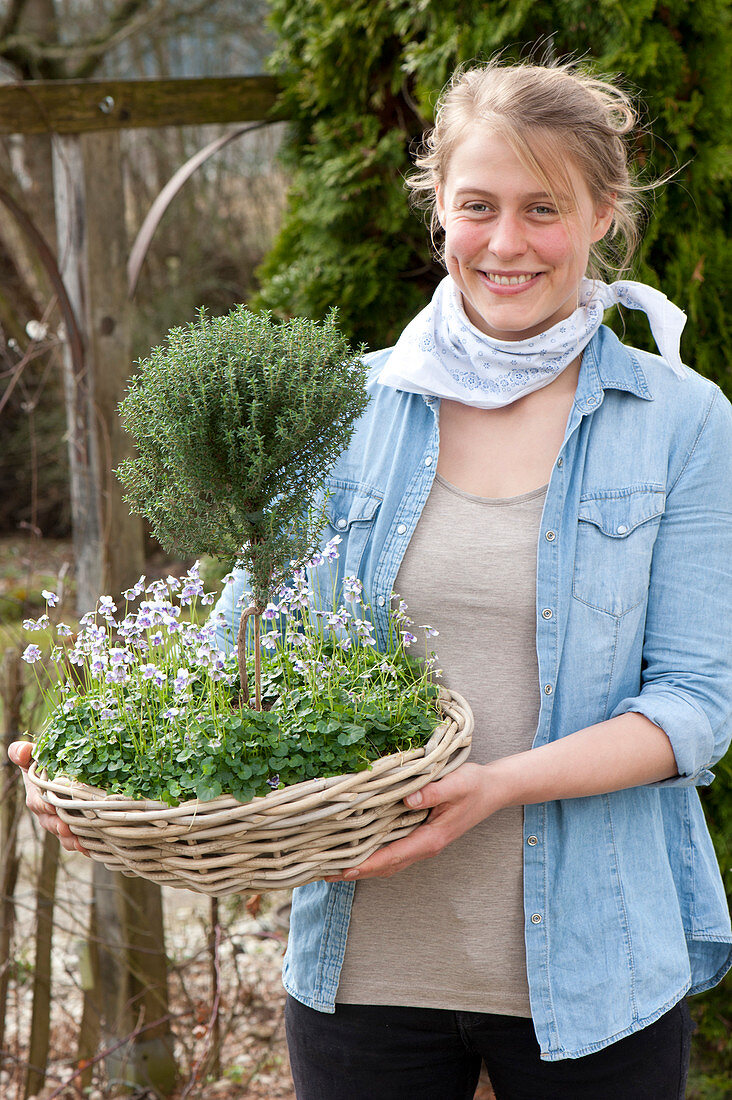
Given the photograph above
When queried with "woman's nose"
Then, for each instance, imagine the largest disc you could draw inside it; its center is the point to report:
(508, 237)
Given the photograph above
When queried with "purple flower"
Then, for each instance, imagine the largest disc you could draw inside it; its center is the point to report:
(64, 630)
(118, 675)
(409, 639)
(170, 713)
(50, 597)
(269, 640)
(181, 681)
(148, 671)
(270, 612)
(36, 624)
(330, 550)
(273, 782)
(31, 654)
(430, 632)
(157, 638)
(133, 593)
(352, 588)
(107, 606)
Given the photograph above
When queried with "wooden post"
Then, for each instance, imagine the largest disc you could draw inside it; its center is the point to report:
(108, 544)
(41, 1018)
(71, 222)
(11, 693)
(109, 351)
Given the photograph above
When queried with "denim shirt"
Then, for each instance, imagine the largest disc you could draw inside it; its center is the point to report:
(625, 910)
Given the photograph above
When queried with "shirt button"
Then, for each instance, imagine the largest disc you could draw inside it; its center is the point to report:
(536, 918)
(560, 462)
(532, 840)
(401, 528)
(547, 613)
(591, 401)
(548, 689)
(428, 460)
(550, 536)
(342, 523)
(381, 601)
(622, 529)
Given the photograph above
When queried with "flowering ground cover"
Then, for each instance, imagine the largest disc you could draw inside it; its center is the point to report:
(146, 703)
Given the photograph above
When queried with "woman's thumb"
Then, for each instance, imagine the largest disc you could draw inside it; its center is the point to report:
(21, 753)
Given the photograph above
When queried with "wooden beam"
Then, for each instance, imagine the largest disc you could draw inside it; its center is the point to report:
(80, 106)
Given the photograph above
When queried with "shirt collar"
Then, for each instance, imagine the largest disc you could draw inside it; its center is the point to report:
(609, 365)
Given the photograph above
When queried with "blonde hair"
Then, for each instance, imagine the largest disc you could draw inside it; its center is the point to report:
(553, 116)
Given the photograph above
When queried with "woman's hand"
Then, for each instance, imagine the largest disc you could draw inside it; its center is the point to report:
(626, 751)
(21, 753)
(457, 803)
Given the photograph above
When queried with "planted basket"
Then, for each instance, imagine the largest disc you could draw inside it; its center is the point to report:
(296, 835)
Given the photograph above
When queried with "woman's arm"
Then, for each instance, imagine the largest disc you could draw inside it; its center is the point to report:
(626, 751)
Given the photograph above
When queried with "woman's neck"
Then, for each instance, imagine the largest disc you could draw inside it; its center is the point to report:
(508, 451)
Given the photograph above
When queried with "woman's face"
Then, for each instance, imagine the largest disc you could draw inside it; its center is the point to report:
(516, 258)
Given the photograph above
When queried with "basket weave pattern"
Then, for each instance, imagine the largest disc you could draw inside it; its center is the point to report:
(287, 838)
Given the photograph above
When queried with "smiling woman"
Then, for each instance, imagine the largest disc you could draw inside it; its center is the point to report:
(516, 253)
(551, 501)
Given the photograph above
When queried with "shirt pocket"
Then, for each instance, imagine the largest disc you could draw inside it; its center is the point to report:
(351, 510)
(616, 534)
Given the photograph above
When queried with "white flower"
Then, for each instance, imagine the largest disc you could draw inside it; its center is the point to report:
(50, 597)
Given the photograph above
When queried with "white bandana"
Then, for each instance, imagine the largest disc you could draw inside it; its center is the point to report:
(442, 354)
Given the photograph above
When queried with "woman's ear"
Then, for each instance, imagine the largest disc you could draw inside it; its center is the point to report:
(439, 205)
(604, 215)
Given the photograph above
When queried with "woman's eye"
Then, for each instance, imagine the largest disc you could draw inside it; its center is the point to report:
(477, 207)
(543, 210)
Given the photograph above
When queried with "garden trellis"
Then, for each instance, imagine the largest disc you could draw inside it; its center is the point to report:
(91, 284)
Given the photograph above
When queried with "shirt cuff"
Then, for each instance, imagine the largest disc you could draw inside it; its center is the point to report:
(687, 728)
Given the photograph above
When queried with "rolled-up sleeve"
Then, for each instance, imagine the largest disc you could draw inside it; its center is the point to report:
(686, 686)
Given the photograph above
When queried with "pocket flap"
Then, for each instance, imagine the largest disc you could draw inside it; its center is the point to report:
(618, 515)
(348, 504)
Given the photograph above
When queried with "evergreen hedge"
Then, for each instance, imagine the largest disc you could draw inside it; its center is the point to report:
(360, 82)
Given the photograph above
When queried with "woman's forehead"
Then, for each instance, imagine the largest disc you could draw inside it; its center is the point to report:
(530, 162)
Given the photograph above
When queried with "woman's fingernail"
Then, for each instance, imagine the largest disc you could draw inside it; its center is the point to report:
(350, 875)
(414, 799)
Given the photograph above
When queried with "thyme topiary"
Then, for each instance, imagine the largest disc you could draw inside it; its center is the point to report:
(237, 421)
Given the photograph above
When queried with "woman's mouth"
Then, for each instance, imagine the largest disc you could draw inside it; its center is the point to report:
(498, 279)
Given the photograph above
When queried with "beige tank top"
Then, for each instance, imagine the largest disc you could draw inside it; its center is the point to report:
(449, 932)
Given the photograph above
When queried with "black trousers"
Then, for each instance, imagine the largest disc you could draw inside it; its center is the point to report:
(377, 1052)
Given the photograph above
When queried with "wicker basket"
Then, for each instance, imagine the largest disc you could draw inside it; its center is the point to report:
(297, 835)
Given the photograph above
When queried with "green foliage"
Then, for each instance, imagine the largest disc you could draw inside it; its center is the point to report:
(244, 753)
(237, 420)
(361, 79)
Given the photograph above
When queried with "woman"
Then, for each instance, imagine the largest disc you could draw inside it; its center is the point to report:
(559, 506)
